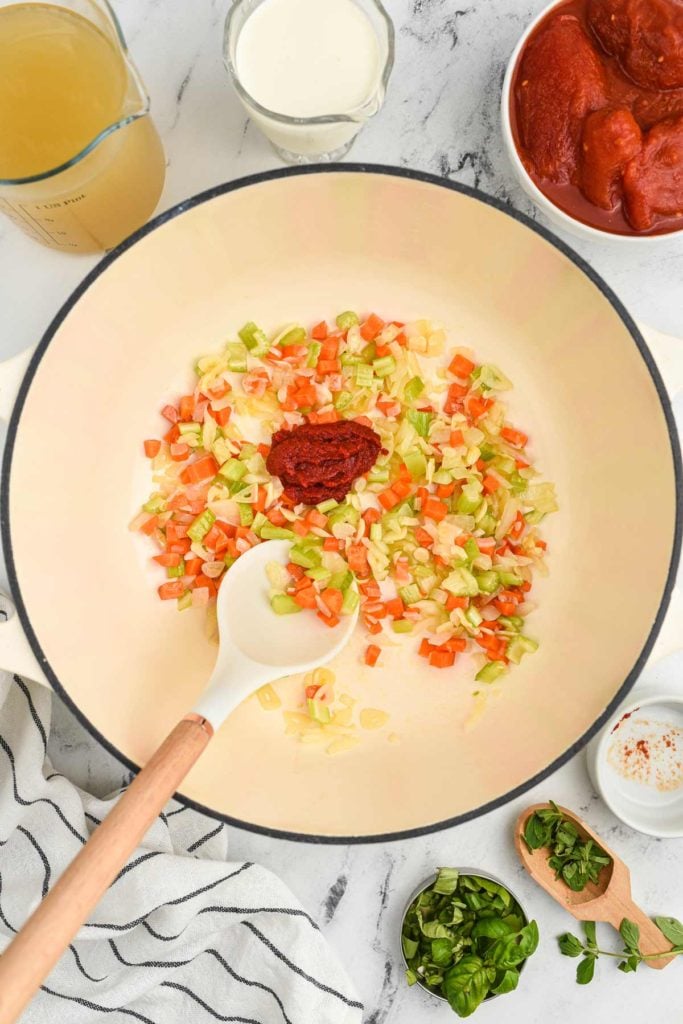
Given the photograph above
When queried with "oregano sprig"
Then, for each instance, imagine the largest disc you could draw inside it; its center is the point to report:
(631, 955)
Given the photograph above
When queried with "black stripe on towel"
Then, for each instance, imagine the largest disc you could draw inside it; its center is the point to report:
(297, 970)
(209, 1009)
(95, 1006)
(134, 863)
(2, 913)
(39, 800)
(82, 968)
(288, 911)
(41, 853)
(169, 903)
(32, 708)
(205, 839)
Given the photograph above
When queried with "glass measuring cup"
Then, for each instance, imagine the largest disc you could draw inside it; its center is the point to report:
(92, 169)
(324, 137)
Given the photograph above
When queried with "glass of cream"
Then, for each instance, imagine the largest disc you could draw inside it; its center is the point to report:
(310, 73)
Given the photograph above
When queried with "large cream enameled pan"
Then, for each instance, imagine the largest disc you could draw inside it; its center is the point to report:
(301, 246)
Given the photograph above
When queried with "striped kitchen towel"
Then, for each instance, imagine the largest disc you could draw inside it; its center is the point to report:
(183, 934)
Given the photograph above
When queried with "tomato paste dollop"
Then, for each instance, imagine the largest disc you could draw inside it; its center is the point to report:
(319, 461)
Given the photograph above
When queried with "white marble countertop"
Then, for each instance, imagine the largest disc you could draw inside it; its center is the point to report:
(441, 115)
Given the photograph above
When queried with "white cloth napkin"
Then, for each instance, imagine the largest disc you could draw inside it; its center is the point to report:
(183, 934)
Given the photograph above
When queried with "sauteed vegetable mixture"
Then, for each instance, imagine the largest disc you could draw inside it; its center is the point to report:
(384, 458)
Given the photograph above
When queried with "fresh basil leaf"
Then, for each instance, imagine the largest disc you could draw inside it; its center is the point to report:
(490, 928)
(409, 946)
(536, 834)
(630, 933)
(442, 952)
(570, 945)
(446, 881)
(466, 985)
(511, 950)
(411, 977)
(436, 930)
(585, 970)
(589, 929)
(506, 981)
(493, 889)
(671, 928)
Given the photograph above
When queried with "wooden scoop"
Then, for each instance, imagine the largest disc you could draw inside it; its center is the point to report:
(610, 900)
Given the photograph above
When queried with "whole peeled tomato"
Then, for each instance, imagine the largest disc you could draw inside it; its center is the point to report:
(560, 81)
(610, 139)
(651, 107)
(646, 37)
(653, 180)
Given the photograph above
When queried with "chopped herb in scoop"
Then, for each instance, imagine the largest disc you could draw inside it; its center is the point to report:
(466, 938)
(575, 860)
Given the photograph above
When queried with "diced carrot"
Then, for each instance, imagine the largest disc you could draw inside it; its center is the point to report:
(186, 408)
(175, 530)
(480, 465)
(453, 602)
(371, 328)
(364, 421)
(486, 545)
(221, 416)
(423, 538)
(490, 484)
(295, 571)
(328, 366)
(505, 607)
(425, 648)
(434, 509)
(168, 559)
(319, 332)
(218, 390)
(456, 438)
(152, 448)
(402, 488)
(329, 350)
(170, 413)
(388, 499)
(460, 366)
(372, 653)
(260, 504)
(333, 598)
(311, 691)
(192, 566)
(442, 659)
(180, 547)
(329, 416)
(329, 620)
(372, 626)
(179, 451)
(401, 339)
(517, 528)
(299, 527)
(370, 516)
(357, 557)
(227, 528)
(174, 588)
(445, 490)
(376, 609)
(370, 590)
(202, 469)
(381, 351)
(477, 406)
(330, 544)
(514, 437)
(541, 544)
(522, 464)
(306, 597)
(456, 644)
(172, 435)
(316, 518)
(264, 450)
(454, 395)
(276, 517)
(395, 607)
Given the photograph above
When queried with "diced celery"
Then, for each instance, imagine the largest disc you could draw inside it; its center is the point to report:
(442, 476)
(511, 622)
(473, 617)
(327, 506)
(237, 357)
(384, 367)
(378, 475)
(283, 604)
(189, 428)
(233, 470)
(490, 378)
(341, 580)
(229, 560)
(185, 601)
(490, 672)
(505, 465)
(314, 350)
(175, 571)
(488, 524)
(509, 579)
(462, 583)
(247, 452)
(319, 574)
(307, 558)
(246, 514)
(346, 320)
(350, 602)
(402, 626)
(487, 582)
(420, 420)
(201, 525)
(350, 358)
(469, 501)
(364, 375)
(487, 452)
(376, 532)
(259, 522)
(519, 646)
(410, 594)
(518, 484)
(156, 504)
(343, 514)
(416, 463)
(270, 532)
(295, 336)
(471, 549)
(255, 339)
(369, 352)
(342, 400)
(413, 389)
(318, 711)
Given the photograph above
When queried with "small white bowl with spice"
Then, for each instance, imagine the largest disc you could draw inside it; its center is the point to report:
(636, 763)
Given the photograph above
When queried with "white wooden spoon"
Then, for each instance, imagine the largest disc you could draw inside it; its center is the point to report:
(256, 647)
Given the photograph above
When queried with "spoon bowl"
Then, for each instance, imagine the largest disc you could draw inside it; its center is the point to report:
(609, 900)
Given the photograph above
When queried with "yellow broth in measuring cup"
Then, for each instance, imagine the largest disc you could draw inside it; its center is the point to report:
(81, 163)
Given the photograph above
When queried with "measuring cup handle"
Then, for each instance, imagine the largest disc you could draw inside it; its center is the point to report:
(12, 373)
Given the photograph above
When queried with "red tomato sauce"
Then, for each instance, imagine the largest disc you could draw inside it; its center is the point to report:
(605, 149)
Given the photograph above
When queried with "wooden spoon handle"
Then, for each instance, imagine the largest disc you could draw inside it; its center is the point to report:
(651, 939)
(46, 934)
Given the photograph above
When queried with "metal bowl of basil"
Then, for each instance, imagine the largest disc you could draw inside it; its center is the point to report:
(465, 938)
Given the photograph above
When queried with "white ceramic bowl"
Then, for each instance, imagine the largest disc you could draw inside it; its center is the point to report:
(554, 214)
(636, 764)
